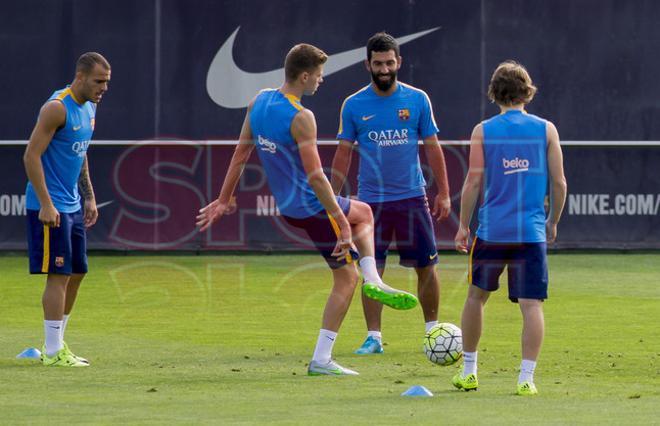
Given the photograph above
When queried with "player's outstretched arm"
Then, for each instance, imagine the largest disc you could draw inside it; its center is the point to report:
(436, 159)
(471, 189)
(341, 163)
(91, 213)
(557, 181)
(214, 210)
(51, 117)
(303, 130)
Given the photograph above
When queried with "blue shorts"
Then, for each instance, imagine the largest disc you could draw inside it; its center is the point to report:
(60, 250)
(527, 268)
(321, 231)
(408, 223)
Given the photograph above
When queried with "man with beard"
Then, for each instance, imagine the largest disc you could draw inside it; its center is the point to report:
(386, 119)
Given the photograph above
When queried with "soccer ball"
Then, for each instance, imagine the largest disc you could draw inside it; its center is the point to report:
(443, 344)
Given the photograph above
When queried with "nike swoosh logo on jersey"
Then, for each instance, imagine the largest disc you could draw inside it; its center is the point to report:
(76, 128)
(433, 256)
(231, 87)
(368, 117)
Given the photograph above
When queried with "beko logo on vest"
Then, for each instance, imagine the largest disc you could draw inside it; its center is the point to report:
(389, 137)
(266, 145)
(516, 165)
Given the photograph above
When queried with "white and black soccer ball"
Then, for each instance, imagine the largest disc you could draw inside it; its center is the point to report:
(443, 344)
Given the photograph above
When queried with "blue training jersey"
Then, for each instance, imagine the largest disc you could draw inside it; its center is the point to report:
(387, 130)
(64, 156)
(270, 120)
(515, 179)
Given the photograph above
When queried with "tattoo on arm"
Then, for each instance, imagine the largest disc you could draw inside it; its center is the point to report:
(85, 183)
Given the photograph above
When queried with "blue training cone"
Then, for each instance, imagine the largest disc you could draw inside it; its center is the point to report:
(29, 353)
(417, 390)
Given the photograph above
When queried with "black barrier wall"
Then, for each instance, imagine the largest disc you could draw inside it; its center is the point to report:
(149, 196)
(186, 69)
(594, 61)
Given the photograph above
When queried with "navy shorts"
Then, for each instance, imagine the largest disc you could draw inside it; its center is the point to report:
(60, 250)
(408, 223)
(321, 231)
(527, 268)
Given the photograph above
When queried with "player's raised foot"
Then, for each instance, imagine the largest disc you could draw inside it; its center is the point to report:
(63, 358)
(526, 389)
(370, 346)
(466, 383)
(79, 358)
(397, 299)
(329, 369)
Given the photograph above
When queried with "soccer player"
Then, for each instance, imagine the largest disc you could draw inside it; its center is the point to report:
(514, 158)
(56, 165)
(386, 119)
(284, 133)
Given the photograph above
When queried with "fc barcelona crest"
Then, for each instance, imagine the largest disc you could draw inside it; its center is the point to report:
(404, 114)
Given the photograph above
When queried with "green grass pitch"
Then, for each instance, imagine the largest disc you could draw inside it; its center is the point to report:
(225, 339)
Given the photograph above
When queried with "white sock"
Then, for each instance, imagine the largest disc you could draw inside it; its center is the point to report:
(53, 332)
(375, 334)
(369, 270)
(429, 325)
(324, 344)
(526, 371)
(469, 363)
(65, 321)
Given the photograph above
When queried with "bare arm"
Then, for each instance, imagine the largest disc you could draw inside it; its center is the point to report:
(85, 182)
(91, 213)
(436, 159)
(471, 188)
(238, 160)
(557, 181)
(341, 163)
(51, 117)
(303, 130)
(214, 211)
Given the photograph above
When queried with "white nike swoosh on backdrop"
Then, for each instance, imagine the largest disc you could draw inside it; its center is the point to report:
(231, 87)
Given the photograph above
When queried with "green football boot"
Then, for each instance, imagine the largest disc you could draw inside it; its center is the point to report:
(79, 358)
(466, 383)
(397, 299)
(526, 389)
(63, 358)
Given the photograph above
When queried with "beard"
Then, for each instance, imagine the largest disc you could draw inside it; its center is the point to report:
(384, 85)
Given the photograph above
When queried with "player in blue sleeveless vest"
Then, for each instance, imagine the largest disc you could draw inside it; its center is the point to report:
(386, 119)
(284, 134)
(56, 165)
(513, 157)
